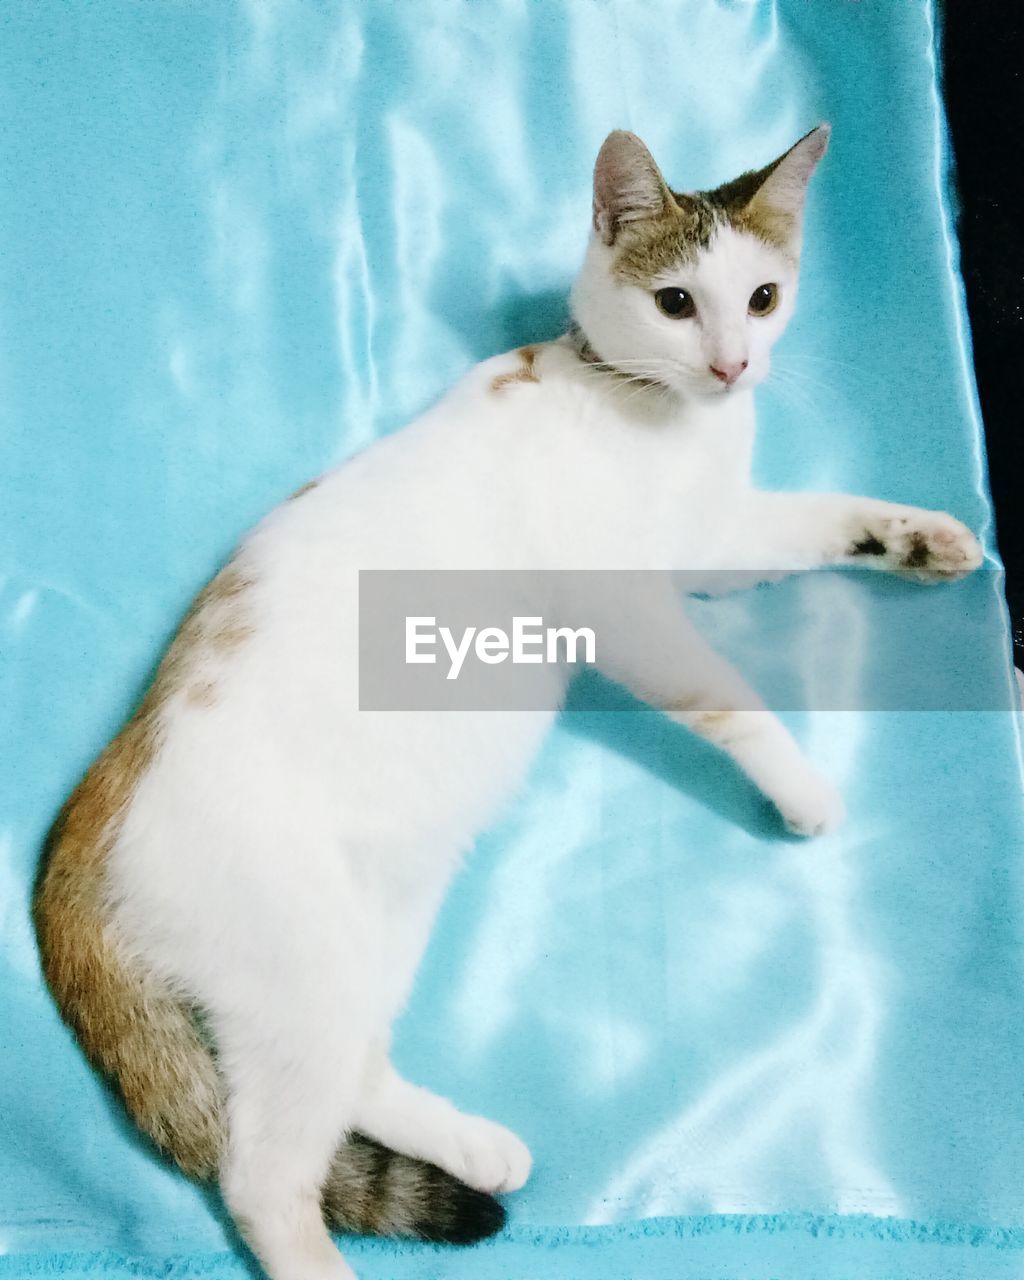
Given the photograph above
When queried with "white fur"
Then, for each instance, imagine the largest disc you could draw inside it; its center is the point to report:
(285, 856)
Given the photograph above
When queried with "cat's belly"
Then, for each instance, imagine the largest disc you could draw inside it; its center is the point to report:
(436, 778)
(244, 866)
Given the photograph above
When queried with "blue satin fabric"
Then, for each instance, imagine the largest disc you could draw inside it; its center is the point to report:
(241, 241)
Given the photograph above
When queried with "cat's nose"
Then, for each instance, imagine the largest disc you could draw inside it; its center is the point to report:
(728, 373)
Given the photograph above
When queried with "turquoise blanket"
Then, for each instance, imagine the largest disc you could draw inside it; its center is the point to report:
(241, 240)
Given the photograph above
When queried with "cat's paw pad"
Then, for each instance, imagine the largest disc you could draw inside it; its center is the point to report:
(929, 546)
(812, 806)
(487, 1156)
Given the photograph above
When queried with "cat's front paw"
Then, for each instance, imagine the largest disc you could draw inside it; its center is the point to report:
(810, 805)
(929, 546)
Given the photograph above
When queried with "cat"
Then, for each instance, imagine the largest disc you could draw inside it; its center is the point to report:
(234, 901)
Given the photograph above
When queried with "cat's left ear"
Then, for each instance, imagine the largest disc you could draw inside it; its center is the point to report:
(772, 199)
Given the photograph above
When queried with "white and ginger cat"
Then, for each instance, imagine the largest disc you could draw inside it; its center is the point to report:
(235, 900)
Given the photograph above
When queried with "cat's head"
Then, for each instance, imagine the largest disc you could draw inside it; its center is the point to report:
(692, 290)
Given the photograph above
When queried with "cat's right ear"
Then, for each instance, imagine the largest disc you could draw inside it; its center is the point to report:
(628, 186)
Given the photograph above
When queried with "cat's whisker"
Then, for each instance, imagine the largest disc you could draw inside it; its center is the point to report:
(795, 396)
(799, 378)
(658, 388)
(846, 368)
(647, 378)
(624, 380)
(808, 357)
(638, 370)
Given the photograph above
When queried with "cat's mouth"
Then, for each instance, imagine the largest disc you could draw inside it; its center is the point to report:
(716, 388)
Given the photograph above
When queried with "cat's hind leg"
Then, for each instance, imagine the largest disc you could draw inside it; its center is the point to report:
(289, 1106)
(419, 1123)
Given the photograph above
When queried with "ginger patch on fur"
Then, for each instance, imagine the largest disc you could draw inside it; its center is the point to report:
(709, 722)
(129, 1023)
(526, 372)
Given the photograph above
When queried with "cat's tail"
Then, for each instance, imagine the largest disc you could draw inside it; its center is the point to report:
(139, 1032)
(373, 1190)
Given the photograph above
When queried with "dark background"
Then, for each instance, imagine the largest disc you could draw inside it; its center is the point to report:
(984, 84)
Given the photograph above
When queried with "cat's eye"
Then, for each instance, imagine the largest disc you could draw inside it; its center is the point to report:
(676, 303)
(763, 300)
